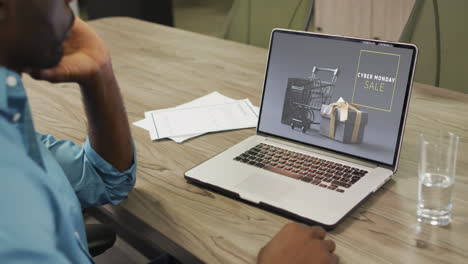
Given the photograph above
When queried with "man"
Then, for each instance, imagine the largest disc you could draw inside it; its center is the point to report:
(45, 182)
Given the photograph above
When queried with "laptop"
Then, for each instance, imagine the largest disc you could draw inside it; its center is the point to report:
(329, 132)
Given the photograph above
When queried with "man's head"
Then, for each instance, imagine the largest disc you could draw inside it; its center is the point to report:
(33, 32)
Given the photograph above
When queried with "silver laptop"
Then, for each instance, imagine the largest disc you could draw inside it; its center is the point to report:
(330, 127)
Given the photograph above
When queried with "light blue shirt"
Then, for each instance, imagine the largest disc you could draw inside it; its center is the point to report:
(45, 183)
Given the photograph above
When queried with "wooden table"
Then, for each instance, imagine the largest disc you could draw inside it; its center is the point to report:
(160, 67)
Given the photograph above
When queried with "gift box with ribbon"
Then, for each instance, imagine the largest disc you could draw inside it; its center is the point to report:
(343, 121)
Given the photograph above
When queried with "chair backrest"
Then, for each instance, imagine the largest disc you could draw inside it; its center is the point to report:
(421, 30)
(251, 21)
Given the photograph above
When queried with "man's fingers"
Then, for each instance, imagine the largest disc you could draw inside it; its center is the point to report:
(329, 245)
(318, 232)
(334, 259)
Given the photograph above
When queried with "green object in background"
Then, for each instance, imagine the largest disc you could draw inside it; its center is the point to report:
(421, 30)
(251, 21)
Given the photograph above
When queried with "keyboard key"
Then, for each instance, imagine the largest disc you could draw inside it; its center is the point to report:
(306, 179)
(316, 182)
(282, 172)
(332, 187)
(340, 190)
(345, 180)
(260, 165)
(342, 184)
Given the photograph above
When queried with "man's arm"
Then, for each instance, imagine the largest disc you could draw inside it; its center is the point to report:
(109, 133)
(103, 170)
(87, 62)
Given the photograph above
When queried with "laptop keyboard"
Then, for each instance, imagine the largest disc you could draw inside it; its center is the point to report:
(326, 174)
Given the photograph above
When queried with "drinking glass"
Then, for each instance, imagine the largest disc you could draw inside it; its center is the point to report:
(437, 169)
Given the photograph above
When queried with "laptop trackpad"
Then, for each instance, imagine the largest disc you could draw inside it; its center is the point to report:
(260, 187)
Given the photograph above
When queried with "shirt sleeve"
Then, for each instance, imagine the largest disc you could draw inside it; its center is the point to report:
(94, 180)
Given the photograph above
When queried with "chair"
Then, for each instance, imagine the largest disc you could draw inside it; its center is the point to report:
(441, 63)
(251, 21)
(100, 238)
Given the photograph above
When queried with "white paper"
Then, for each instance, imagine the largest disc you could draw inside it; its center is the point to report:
(144, 123)
(210, 99)
(201, 119)
(213, 98)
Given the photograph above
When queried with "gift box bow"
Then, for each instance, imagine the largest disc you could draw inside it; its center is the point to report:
(343, 106)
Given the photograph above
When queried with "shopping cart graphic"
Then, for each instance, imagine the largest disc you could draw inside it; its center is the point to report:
(304, 98)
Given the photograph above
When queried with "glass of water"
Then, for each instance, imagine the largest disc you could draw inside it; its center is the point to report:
(437, 168)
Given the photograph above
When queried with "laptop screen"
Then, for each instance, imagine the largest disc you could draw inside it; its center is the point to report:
(340, 94)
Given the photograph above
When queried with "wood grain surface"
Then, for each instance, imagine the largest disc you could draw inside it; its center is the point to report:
(160, 67)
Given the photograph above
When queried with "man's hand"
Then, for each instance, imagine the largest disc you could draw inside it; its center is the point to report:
(86, 61)
(85, 58)
(298, 243)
